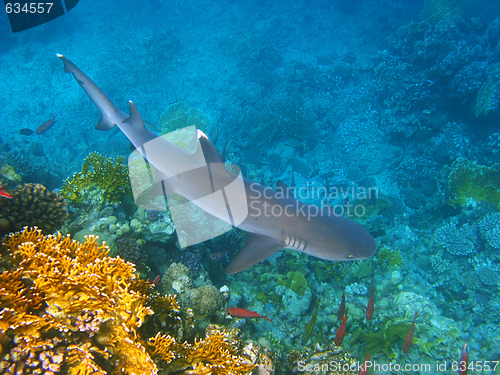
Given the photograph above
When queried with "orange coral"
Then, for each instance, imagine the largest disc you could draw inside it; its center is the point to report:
(215, 354)
(67, 306)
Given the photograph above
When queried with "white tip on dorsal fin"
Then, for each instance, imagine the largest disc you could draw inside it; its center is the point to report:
(134, 117)
(211, 154)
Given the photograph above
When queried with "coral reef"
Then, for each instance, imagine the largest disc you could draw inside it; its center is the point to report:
(456, 240)
(102, 179)
(488, 97)
(67, 306)
(295, 281)
(198, 302)
(390, 258)
(216, 353)
(332, 360)
(469, 181)
(488, 276)
(442, 10)
(180, 115)
(32, 204)
(130, 250)
(8, 173)
(489, 229)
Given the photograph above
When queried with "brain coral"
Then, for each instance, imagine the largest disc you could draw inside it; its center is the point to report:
(33, 204)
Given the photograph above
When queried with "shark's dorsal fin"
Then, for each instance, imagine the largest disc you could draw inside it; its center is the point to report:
(134, 117)
(211, 154)
(257, 248)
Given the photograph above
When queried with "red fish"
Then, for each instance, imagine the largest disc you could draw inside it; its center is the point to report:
(244, 313)
(371, 302)
(463, 364)
(3, 193)
(45, 126)
(341, 311)
(364, 369)
(339, 335)
(156, 281)
(408, 339)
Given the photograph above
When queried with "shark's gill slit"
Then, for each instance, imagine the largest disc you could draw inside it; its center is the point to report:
(293, 242)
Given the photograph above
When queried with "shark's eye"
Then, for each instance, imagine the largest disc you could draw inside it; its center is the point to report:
(351, 256)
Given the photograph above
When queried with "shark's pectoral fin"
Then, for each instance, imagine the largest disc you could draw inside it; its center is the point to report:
(257, 248)
(104, 123)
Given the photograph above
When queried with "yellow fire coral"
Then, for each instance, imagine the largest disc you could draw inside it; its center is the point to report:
(102, 178)
(67, 307)
(215, 354)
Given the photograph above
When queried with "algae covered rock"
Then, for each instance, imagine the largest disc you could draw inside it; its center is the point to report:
(204, 301)
(198, 304)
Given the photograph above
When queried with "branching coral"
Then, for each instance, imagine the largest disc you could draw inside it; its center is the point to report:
(215, 354)
(456, 240)
(100, 177)
(67, 306)
(32, 204)
(489, 228)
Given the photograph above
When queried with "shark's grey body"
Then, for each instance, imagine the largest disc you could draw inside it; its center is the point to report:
(274, 221)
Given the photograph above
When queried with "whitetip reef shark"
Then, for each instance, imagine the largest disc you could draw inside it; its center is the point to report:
(323, 234)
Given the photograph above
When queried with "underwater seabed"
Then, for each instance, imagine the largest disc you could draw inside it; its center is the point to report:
(85, 302)
(402, 96)
(115, 292)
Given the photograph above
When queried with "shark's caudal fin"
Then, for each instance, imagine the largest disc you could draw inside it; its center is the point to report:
(68, 65)
(257, 248)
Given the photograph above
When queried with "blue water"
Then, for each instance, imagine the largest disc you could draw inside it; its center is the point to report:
(375, 93)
